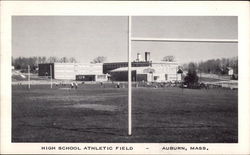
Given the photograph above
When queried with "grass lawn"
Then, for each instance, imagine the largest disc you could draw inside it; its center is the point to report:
(96, 114)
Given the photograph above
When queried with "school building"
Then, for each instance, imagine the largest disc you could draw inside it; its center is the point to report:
(142, 70)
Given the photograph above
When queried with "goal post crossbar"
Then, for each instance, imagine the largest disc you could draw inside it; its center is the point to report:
(184, 40)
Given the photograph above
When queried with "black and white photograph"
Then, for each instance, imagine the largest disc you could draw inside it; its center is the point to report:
(124, 79)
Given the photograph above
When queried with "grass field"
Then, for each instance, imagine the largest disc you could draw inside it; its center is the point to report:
(95, 114)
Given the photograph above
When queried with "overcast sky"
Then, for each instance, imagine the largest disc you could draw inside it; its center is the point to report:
(85, 37)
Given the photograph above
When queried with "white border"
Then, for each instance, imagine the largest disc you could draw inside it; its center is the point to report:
(157, 8)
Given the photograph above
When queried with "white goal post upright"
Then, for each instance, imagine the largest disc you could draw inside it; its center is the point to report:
(147, 39)
(50, 69)
(129, 80)
(29, 76)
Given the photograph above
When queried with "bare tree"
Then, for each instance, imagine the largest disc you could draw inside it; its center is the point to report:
(44, 59)
(169, 58)
(218, 66)
(72, 60)
(99, 59)
(64, 60)
(52, 59)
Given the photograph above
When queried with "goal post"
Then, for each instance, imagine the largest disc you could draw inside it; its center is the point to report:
(50, 69)
(148, 39)
(129, 80)
(29, 76)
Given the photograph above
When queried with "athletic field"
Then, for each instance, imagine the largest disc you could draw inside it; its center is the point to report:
(95, 113)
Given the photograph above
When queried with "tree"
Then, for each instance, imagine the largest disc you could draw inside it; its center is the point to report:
(218, 66)
(191, 79)
(169, 58)
(53, 59)
(99, 59)
(23, 62)
(44, 59)
(72, 60)
(233, 62)
(64, 60)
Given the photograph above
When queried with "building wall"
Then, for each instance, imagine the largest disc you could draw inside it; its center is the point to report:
(168, 68)
(141, 77)
(230, 72)
(156, 72)
(173, 77)
(101, 78)
(85, 77)
(160, 72)
(165, 71)
(94, 69)
(64, 71)
(122, 76)
(70, 70)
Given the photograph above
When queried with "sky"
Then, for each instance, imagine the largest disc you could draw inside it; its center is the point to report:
(86, 37)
